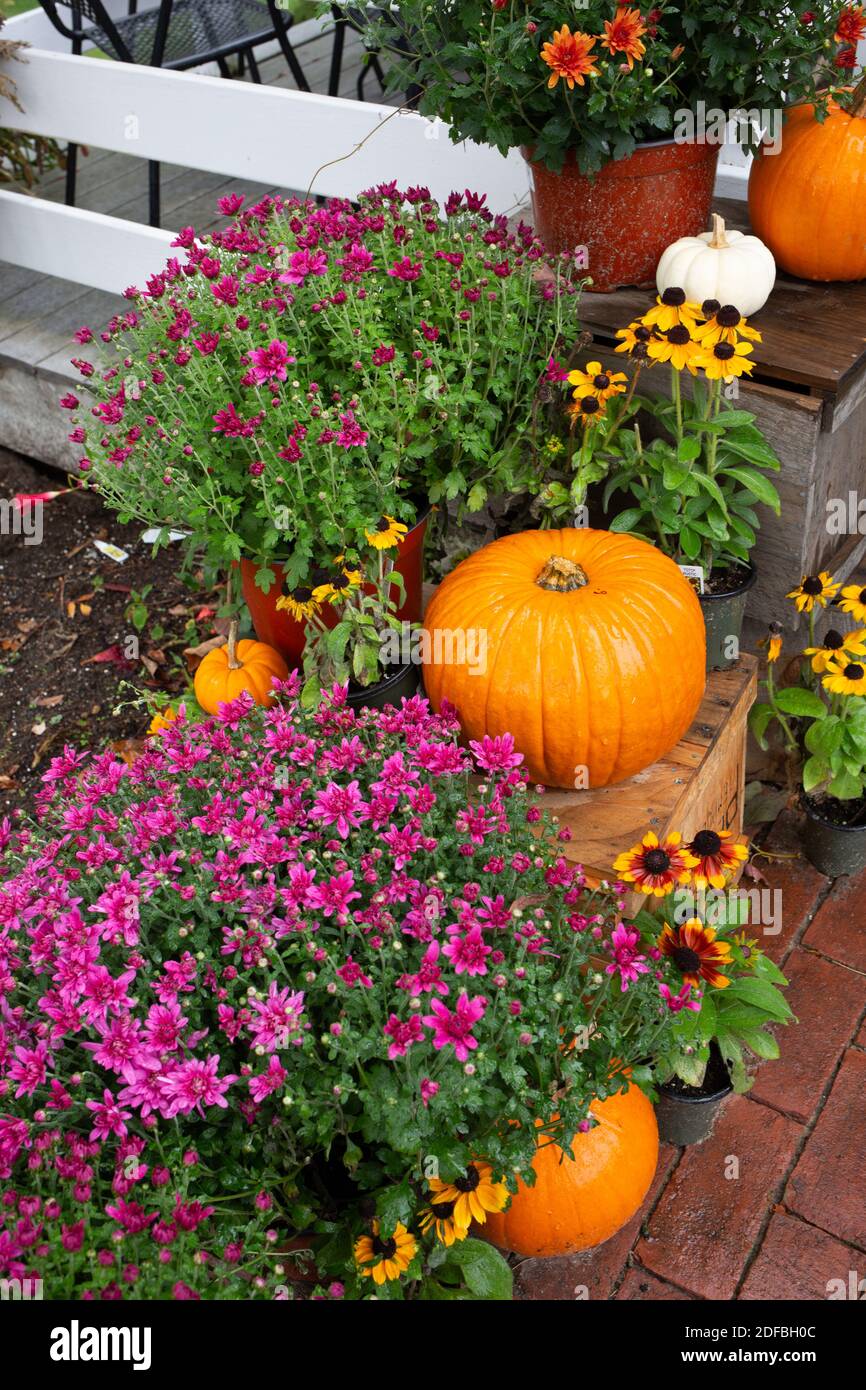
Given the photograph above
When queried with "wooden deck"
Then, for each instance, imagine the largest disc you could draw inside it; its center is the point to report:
(40, 313)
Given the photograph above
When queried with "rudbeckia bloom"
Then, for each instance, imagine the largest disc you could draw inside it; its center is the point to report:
(677, 347)
(387, 532)
(386, 1257)
(655, 867)
(163, 719)
(748, 948)
(595, 381)
(331, 588)
(716, 860)
(588, 409)
(622, 34)
(473, 1194)
(440, 1215)
(569, 56)
(812, 589)
(670, 309)
(846, 678)
(696, 953)
(836, 645)
(724, 325)
(725, 360)
(773, 642)
(853, 602)
(636, 335)
(300, 602)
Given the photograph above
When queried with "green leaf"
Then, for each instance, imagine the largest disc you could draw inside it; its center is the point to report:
(802, 703)
(688, 450)
(814, 773)
(761, 1043)
(487, 1274)
(762, 995)
(627, 520)
(846, 786)
(759, 486)
(759, 719)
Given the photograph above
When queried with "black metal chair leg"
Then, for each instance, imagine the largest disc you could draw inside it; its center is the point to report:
(225, 70)
(340, 26)
(254, 67)
(294, 66)
(153, 192)
(71, 174)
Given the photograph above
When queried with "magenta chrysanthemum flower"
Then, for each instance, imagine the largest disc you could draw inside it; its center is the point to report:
(455, 1028)
(108, 1117)
(193, 1085)
(342, 807)
(402, 1035)
(628, 960)
(271, 363)
(468, 953)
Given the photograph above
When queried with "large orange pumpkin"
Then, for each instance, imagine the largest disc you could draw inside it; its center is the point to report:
(589, 647)
(238, 666)
(808, 202)
(578, 1203)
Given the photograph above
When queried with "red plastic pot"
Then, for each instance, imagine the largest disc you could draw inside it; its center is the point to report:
(279, 629)
(628, 213)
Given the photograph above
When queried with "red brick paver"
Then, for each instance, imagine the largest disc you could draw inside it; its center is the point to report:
(828, 1001)
(638, 1284)
(828, 1185)
(800, 885)
(706, 1223)
(799, 1261)
(839, 928)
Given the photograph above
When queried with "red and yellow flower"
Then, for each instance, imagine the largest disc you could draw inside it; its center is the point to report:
(696, 953)
(569, 56)
(717, 859)
(654, 867)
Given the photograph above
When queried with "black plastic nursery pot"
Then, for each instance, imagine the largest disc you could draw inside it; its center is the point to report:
(686, 1114)
(402, 683)
(723, 618)
(832, 846)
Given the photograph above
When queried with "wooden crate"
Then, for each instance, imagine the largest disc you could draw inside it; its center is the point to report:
(699, 785)
(809, 396)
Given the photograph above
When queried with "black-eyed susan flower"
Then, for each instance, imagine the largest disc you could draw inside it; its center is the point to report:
(589, 410)
(725, 324)
(300, 602)
(717, 859)
(595, 381)
(162, 719)
(655, 867)
(773, 643)
(676, 346)
(386, 532)
(814, 589)
(473, 1194)
(635, 337)
(846, 677)
(385, 1257)
(696, 953)
(853, 602)
(439, 1216)
(724, 361)
(670, 309)
(836, 645)
(331, 588)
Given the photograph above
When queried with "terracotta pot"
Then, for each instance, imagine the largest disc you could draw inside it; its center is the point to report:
(628, 213)
(279, 629)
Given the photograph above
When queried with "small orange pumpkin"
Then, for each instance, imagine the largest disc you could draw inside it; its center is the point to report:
(578, 1203)
(593, 652)
(237, 666)
(807, 202)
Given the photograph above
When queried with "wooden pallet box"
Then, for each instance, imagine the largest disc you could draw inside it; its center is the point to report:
(700, 785)
(808, 392)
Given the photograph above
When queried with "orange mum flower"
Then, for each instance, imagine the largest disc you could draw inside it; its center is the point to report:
(851, 25)
(622, 34)
(696, 953)
(568, 55)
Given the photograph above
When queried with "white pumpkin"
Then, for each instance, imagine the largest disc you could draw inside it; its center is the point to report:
(727, 266)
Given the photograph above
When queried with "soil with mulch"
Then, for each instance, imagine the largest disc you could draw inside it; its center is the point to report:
(67, 614)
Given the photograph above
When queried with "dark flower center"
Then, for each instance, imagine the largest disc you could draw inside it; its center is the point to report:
(442, 1210)
(383, 524)
(686, 960)
(640, 351)
(470, 1180)
(724, 351)
(589, 405)
(728, 316)
(385, 1248)
(854, 671)
(679, 335)
(706, 844)
(812, 585)
(710, 307)
(833, 640)
(302, 594)
(656, 861)
(642, 334)
(601, 382)
(674, 297)
(342, 581)
(861, 597)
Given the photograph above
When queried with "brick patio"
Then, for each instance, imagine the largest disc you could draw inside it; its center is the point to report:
(795, 1217)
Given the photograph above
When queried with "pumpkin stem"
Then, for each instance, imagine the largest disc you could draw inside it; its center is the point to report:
(719, 240)
(561, 576)
(858, 100)
(234, 664)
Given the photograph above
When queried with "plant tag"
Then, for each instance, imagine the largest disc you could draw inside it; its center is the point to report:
(695, 575)
(154, 533)
(113, 552)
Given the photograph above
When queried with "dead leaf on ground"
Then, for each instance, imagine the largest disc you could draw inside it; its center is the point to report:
(7, 783)
(194, 655)
(49, 701)
(128, 749)
(112, 655)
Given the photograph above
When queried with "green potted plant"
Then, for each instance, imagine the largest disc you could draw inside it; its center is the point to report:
(619, 110)
(821, 718)
(694, 488)
(286, 382)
